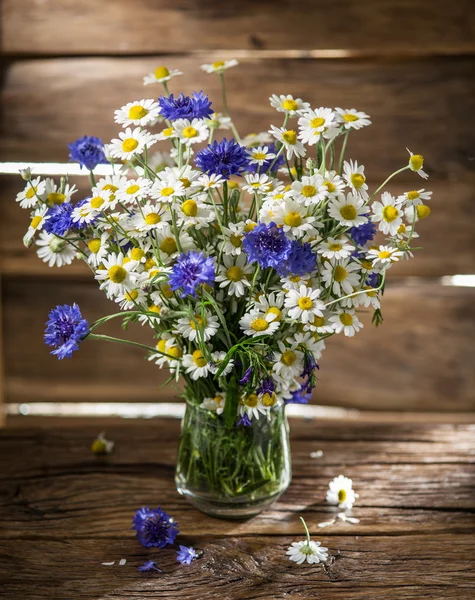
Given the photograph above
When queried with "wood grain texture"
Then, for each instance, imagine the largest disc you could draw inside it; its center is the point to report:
(418, 104)
(157, 26)
(420, 359)
(447, 250)
(64, 512)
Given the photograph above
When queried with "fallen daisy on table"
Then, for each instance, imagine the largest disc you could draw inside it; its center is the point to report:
(341, 492)
(340, 516)
(308, 550)
(101, 445)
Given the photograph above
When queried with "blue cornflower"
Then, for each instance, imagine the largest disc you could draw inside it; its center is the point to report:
(245, 421)
(191, 270)
(267, 386)
(246, 377)
(88, 151)
(149, 565)
(279, 162)
(65, 328)
(223, 158)
(185, 555)
(363, 234)
(267, 245)
(154, 527)
(299, 397)
(184, 107)
(60, 219)
(372, 280)
(300, 260)
(309, 366)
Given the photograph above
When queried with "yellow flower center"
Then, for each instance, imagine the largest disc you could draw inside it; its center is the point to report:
(390, 213)
(417, 162)
(293, 219)
(331, 187)
(234, 273)
(137, 254)
(201, 322)
(185, 181)
(149, 263)
(161, 345)
(189, 132)
(218, 64)
(129, 144)
(235, 240)
(346, 319)
(259, 324)
(56, 198)
(412, 195)
(288, 358)
(349, 118)
(340, 274)
(305, 303)
(167, 191)
(137, 112)
(423, 211)
(132, 295)
(308, 191)
(132, 189)
(384, 254)
(402, 228)
(358, 179)
(341, 495)
(31, 192)
(259, 155)
(232, 185)
(367, 264)
(199, 359)
(97, 202)
(168, 131)
(290, 137)
(110, 188)
(152, 218)
(154, 308)
(35, 221)
(335, 247)
(251, 400)
(269, 399)
(348, 212)
(175, 352)
(94, 245)
(189, 208)
(372, 293)
(318, 322)
(167, 291)
(168, 245)
(117, 274)
(317, 122)
(249, 226)
(289, 105)
(161, 72)
(273, 310)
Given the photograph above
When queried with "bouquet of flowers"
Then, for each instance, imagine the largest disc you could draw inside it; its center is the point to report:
(242, 255)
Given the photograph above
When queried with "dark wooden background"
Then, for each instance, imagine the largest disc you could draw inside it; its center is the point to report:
(410, 64)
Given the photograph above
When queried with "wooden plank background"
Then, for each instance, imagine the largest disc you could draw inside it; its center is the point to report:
(410, 65)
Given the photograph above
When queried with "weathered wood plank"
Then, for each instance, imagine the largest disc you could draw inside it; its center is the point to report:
(48, 103)
(446, 249)
(439, 567)
(121, 27)
(420, 359)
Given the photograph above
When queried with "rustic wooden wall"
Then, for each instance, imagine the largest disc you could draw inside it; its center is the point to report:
(69, 64)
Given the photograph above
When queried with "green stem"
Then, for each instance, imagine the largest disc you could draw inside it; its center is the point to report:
(306, 531)
(389, 179)
(342, 153)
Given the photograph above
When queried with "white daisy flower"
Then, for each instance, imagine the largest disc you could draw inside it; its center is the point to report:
(130, 143)
(131, 298)
(166, 188)
(232, 237)
(87, 211)
(219, 66)
(257, 139)
(140, 112)
(256, 184)
(191, 132)
(34, 189)
(405, 232)
(133, 189)
(155, 310)
(197, 328)
(303, 304)
(293, 217)
(321, 324)
(272, 303)
(110, 184)
(333, 183)
(151, 216)
(252, 406)
(38, 219)
(348, 210)
(216, 360)
(369, 298)
(289, 105)
(355, 178)
(218, 121)
(384, 255)
(168, 345)
(341, 493)
(341, 275)
(216, 403)
(308, 550)
(416, 162)
(310, 191)
(259, 155)
(346, 320)
(258, 323)
(54, 194)
(235, 274)
(387, 213)
(352, 118)
(166, 242)
(416, 213)
(161, 75)
(415, 197)
(54, 250)
(117, 276)
(196, 365)
(288, 362)
(317, 123)
(288, 137)
(335, 248)
(309, 342)
(194, 213)
(210, 182)
(168, 133)
(99, 248)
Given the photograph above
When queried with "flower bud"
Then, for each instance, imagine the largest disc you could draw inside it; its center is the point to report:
(26, 173)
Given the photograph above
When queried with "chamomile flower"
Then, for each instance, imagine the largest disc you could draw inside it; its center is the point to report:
(54, 250)
(219, 66)
(218, 121)
(54, 194)
(318, 123)
(340, 492)
(258, 323)
(333, 183)
(196, 365)
(387, 213)
(161, 75)
(98, 248)
(252, 140)
(151, 216)
(194, 213)
(251, 405)
(303, 304)
(309, 342)
(288, 362)
(167, 133)
(310, 191)
(321, 324)
(167, 243)
(191, 132)
(272, 303)
(341, 276)
(355, 178)
(210, 182)
(384, 255)
(216, 403)
(34, 190)
(232, 239)
(259, 155)
(416, 213)
(256, 184)
(198, 327)
(235, 274)
(131, 298)
(346, 321)
(293, 218)
(140, 112)
(38, 219)
(289, 105)
(415, 197)
(335, 248)
(416, 162)
(167, 187)
(130, 143)
(352, 118)
(132, 190)
(168, 351)
(308, 550)
(288, 137)
(109, 184)
(88, 210)
(349, 210)
(116, 276)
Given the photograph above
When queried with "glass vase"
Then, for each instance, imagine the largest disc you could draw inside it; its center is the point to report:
(233, 472)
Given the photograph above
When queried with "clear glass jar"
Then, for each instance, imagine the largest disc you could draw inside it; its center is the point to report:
(233, 472)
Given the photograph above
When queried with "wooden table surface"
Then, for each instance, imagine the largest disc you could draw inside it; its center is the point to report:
(64, 512)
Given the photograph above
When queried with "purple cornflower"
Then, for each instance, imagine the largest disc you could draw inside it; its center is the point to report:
(154, 527)
(246, 377)
(267, 386)
(245, 421)
(309, 366)
(185, 555)
(299, 397)
(88, 151)
(184, 107)
(149, 565)
(363, 234)
(191, 270)
(223, 158)
(65, 328)
(267, 245)
(300, 260)
(279, 161)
